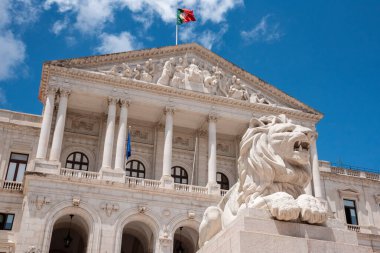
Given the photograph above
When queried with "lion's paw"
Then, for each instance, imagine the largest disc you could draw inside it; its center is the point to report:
(282, 206)
(312, 210)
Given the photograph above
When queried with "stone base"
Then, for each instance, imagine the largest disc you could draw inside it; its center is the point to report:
(47, 167)
(254, 231)
(112, 175)
(167, 182)
(213, 188)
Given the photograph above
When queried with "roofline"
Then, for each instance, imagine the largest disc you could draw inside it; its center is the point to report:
(95, 60)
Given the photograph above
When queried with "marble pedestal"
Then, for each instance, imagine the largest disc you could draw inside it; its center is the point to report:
(254, 231)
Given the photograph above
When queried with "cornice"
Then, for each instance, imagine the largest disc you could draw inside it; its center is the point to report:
(100, 78)
(213, 58)
(347, 179)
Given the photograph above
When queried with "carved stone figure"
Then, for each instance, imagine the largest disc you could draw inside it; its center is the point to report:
(137, 72)
(236, 90)
(193, 74)
(127, 71)
(258, 98)
(179, 74)
(148, 71)
(273, 169)
(214, 81)
(167, 72)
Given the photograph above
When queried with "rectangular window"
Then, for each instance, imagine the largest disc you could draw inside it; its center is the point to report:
(6, 221)
(350, 210)
(16, 167)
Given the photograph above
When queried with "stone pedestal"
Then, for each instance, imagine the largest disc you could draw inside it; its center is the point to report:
(167, 182)
(48, 167)
(113, 175)
(255, 231)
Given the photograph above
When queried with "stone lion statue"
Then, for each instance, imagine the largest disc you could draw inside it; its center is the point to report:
(273, 169)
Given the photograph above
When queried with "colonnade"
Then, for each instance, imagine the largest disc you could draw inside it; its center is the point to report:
(166, 179)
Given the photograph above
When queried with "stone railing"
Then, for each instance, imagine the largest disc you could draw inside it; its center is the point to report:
(133, 182)
(146, 183)
(223, 192)
(79, 173)
(191, 188)
(10, 185)
(354, 228)
(349, 171)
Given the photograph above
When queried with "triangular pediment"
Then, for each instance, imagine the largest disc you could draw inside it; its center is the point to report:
(188, 67)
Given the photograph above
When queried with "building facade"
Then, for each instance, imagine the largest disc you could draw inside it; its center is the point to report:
(67, 186)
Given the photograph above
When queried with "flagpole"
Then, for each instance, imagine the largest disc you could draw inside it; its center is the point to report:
(176, 35)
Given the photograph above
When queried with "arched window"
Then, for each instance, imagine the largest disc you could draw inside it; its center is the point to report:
(77, 161)
(222, 180)
(135, 168)
(180, 175)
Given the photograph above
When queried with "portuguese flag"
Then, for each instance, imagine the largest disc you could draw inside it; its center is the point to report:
(184, 16)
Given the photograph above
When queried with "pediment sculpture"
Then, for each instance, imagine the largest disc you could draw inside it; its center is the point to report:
(183, 73)
(273, 169)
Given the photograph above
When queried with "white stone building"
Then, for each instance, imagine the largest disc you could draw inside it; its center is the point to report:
(64, 177)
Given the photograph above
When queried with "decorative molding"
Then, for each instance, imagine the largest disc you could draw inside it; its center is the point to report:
(191, 215)
(76, 201)
(40, 201)
(349, 193)
(109, 208)
(142, 209)
(33, 249)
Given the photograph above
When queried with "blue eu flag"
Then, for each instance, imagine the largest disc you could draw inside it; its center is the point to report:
(129, 151)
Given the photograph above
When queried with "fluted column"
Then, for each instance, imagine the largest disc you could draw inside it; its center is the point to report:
(212, 149)
(121, 136)
(315, 169)
(168, 142)
(56, 146)
(110, 131)
(46, 124)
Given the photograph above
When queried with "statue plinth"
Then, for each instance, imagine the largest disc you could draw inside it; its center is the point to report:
(255, 231)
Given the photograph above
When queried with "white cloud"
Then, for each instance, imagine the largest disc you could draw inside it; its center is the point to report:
(263, 31)
(12, 54)
(92, 15)
(206, 38)
(117, 43)
(60, 25)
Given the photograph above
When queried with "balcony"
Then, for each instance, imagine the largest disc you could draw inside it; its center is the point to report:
(11, 186)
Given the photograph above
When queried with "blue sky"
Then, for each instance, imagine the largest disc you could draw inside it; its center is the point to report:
(324, 53)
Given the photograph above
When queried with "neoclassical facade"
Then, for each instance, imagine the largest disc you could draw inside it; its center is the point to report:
(66, 183)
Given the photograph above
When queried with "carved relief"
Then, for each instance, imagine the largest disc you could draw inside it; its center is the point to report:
(142, 134)
(76, 201)
(33, 249)
(196, 75)
(109, 208)
(183, 141)
(40, 201)
(82, 123)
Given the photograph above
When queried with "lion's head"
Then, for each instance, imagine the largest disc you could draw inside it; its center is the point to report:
(274, 156)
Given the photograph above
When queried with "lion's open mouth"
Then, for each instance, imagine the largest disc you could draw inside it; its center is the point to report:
(301, 145)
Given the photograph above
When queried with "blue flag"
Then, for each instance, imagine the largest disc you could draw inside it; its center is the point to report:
(129, 151)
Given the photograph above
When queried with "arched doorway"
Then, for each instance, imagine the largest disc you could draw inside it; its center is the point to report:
(70, 235)
(185, 240)
(137, 238)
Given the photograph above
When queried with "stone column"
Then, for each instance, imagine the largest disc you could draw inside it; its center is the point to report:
(121, 136)
(315, 169)
(213, 187)
(56, 146)
(110, 131)
(46, 124)
(166, 179)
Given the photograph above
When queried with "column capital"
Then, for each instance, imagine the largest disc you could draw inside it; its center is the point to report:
(169, 110)
(51, 91)
(124, 102)
(63, 92)
(212, 117)
(112, 100)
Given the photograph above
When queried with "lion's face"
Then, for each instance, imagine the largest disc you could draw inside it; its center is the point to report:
(291, 142)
